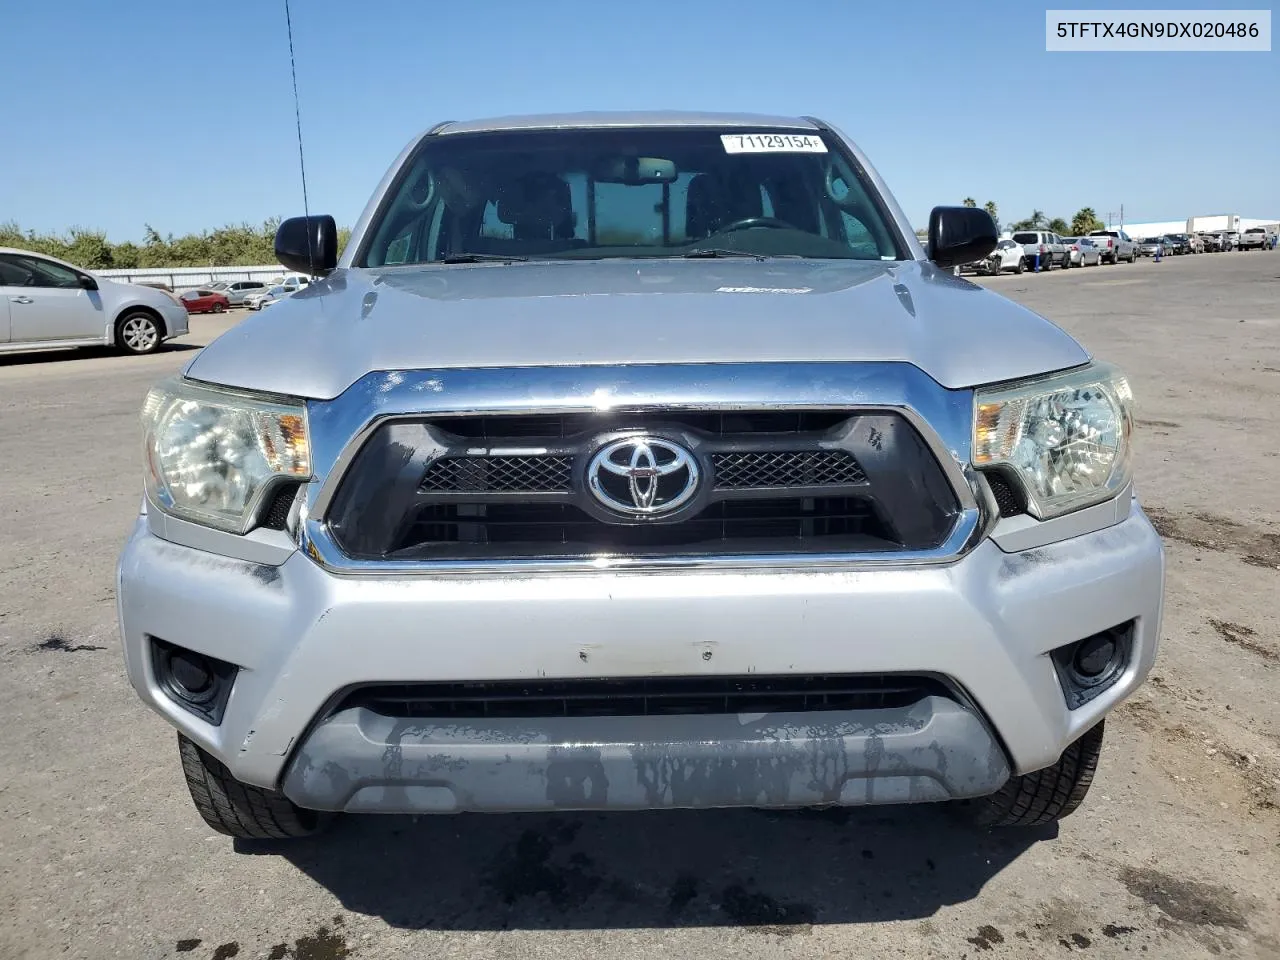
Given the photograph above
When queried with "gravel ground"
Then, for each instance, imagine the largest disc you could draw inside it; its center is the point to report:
(1175, 854)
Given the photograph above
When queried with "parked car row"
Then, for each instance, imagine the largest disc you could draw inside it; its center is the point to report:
(1045, 250)
(254, 294)
(1177, 244)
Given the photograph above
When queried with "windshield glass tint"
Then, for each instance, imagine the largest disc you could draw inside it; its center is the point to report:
(647, 192)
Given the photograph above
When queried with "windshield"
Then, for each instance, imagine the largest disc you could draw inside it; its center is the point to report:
(644, 192)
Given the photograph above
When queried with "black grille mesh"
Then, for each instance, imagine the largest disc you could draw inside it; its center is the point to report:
(645, 696)
(1007, 498)
(809, 468)
(528, 527)
(536, 474)
(276, 516)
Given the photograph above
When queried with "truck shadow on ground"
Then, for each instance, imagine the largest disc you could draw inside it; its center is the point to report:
(777, 872)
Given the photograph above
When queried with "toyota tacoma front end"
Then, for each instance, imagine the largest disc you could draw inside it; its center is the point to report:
(632, 461)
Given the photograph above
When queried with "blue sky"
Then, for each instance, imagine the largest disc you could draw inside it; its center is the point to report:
(181, 114)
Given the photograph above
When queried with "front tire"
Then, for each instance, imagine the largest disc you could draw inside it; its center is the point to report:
(138, 333)
(1021, 265)
(1047, 795)
(239, 809)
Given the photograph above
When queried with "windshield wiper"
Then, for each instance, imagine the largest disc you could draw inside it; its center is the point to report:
(712, 253)
(482, 258)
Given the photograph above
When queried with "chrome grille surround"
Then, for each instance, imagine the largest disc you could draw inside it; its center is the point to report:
(942, 418)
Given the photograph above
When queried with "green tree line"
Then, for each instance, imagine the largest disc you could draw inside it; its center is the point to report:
(235, 245)
(1084, 221)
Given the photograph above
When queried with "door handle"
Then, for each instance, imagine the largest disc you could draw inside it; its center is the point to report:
(21, 300)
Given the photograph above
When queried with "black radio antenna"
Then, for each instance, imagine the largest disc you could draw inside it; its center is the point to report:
(297, 115)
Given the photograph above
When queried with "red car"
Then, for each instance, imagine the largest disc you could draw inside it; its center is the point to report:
(204, 301)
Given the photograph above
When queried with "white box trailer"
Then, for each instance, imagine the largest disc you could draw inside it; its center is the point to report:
(1215, 223)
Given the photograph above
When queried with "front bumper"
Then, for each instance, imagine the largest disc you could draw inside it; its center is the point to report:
(302, 635)
(359, 762)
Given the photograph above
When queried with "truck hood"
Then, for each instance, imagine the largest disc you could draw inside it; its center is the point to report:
(568, 313)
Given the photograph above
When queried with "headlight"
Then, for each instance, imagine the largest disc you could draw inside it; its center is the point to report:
(1066, 437)
(212, 455)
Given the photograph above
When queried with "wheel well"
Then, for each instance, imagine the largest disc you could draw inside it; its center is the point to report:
(152, 313)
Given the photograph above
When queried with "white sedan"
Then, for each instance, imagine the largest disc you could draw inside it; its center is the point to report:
(1082, 252)
(1006, 256)
(46, 302)
(256, 301)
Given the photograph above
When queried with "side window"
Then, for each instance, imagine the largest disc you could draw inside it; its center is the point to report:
(13, 273)
(491, 228)
(398, 249)
(405, 246)
(858, 237)
(44, 273)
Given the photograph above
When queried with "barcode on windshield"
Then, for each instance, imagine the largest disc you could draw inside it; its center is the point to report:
(772, 143)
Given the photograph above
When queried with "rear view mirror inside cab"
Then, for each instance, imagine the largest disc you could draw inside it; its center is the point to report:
(634, 171)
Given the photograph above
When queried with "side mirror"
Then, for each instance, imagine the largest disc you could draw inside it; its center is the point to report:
(308, 245)
(88, 282)
(959, 235)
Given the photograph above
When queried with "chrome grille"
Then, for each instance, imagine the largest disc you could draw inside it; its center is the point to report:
(770, 469)
(535, 474)
(515, 487)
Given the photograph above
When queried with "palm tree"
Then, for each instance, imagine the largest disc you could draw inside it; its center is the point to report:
(993, 212)
(1085, 221)
(969, 202)
(1033, 222)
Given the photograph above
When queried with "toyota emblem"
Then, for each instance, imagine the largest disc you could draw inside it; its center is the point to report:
(643, 476)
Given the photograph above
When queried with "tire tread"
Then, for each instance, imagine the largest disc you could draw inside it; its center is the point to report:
(1046, 795)
(239, 809)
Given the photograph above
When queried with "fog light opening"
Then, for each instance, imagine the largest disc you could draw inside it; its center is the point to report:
(191, 675)
(1088, 667)
(196, 681)
(1094, 656)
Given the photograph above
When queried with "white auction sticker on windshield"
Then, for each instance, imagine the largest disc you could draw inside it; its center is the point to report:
(772, 143)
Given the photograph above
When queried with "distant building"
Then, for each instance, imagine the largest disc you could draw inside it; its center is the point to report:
(1212, 223)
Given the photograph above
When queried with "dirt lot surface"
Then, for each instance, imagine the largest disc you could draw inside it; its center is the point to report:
(1176, 853)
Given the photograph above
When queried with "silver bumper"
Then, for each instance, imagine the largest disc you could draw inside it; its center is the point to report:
(301, 635)
(361, 762)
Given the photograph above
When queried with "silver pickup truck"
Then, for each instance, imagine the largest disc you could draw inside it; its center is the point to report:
(633, 461)
(1116, 245)
(1255, 238)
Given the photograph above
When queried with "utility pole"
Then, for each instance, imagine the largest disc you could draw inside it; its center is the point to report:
(1112, 216)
